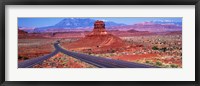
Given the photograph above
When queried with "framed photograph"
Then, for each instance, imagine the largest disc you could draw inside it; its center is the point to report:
(114, 42)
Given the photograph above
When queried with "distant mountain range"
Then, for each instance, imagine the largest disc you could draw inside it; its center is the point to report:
(178, 23)
(74, 23)
(81, 24)
(149, 26)
(29, 30)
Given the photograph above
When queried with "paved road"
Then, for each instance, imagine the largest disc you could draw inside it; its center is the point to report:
(94, 60)
(31, 62)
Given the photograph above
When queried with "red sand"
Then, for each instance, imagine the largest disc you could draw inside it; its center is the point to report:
(135, 57)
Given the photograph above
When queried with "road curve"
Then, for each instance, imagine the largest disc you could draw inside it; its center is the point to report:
(94, 60)
(31, 62)
(102, 62)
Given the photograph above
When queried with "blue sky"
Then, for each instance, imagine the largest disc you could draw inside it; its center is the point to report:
(41, 22)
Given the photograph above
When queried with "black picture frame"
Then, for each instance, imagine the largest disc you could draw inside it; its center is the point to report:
(98, 2)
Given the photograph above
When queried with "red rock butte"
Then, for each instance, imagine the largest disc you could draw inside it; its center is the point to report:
(99, 28)
(99, 40)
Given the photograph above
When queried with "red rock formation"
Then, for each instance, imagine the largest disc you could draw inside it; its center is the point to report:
(22, 34)
(99, 40)
(25, 35)
(99, 28)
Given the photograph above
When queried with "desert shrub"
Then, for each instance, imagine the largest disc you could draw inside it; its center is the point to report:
(155, 48)
(147, 62)
(25, 58)
(158, 63)
(163, 49)
(112, 51)
(20, 57)
(89, 53)
(174, 66)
